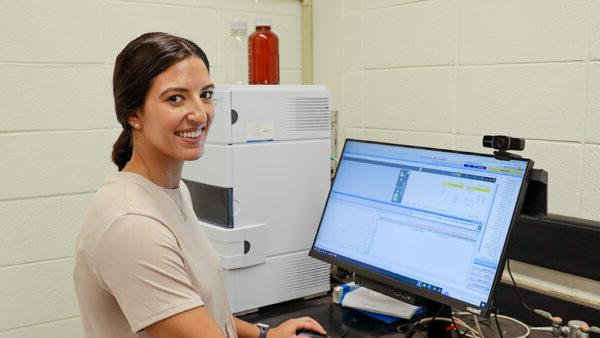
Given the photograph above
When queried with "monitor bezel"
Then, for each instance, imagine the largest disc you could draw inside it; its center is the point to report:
(394, 283)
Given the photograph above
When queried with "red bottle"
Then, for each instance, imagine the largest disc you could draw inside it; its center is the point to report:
(263, 54)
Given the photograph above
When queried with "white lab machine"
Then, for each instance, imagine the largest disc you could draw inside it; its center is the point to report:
(260, 188)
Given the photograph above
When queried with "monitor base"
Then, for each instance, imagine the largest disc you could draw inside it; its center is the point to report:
(437, 328)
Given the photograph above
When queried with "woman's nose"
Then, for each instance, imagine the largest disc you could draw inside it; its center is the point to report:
(199, 113)
(198, 117)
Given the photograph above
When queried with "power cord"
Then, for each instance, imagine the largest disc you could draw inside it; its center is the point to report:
(471, 331)
(476, 320)
(451, 320)
(497, 322)
(354, 320)
(488, 323)
(411, 329)
(517, 287)
(556, 321)
(455, 327)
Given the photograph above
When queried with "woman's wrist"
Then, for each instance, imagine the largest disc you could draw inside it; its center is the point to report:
(263, 330)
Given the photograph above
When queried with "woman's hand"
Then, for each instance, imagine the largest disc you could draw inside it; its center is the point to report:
(289, 328)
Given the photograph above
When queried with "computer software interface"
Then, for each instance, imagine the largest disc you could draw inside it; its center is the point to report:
(433, 219)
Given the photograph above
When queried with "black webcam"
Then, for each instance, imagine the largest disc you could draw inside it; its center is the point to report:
(503, 143)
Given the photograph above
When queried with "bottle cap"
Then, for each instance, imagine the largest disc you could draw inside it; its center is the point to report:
(239, 26)
(262, 22)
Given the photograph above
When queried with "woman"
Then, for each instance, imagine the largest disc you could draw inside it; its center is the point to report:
(143, 266)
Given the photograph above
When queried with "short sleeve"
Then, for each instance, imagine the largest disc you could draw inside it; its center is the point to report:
(140, 263)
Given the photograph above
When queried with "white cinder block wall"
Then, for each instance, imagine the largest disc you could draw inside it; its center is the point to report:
(57, 127)
(442, 73)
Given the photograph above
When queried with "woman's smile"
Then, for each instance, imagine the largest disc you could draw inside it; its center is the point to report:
(192, 137)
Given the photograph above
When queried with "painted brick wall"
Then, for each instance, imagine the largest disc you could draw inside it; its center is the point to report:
(442, 73)
(57, 127)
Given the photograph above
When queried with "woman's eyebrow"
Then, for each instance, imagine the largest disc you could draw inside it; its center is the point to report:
(184, 90)
(174, 89)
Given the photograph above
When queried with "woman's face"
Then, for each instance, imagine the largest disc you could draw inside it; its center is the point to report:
(177, 111)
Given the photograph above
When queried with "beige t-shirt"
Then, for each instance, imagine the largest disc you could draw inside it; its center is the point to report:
(140, 260)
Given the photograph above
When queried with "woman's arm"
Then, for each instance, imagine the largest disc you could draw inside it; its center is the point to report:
(285, 330)
(194, 323)
(245, 329)
(135, 250)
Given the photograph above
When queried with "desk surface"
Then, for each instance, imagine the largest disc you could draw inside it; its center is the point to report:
(336, 320)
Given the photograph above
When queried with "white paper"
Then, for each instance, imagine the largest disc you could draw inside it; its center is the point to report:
(368, 300)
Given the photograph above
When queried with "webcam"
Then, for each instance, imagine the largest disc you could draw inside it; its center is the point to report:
(503, 143)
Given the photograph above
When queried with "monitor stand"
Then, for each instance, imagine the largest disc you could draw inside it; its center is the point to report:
(435, 329)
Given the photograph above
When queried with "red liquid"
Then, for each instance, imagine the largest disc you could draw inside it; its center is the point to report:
(263, 57)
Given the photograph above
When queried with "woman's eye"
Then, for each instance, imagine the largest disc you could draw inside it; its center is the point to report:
(175, 99)
(207, 95)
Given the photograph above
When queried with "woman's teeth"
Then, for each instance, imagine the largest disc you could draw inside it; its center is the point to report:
(189, 134)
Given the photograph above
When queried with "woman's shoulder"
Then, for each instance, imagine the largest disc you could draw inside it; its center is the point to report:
(131, 191)
(122, 194)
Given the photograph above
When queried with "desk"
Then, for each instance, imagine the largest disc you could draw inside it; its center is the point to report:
(336, 320)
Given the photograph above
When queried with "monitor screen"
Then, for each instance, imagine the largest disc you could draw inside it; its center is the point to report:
(432, 222)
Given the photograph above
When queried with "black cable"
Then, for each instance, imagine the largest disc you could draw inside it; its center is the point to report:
(516, 286)
(411, 330)
(354, 320)
(498, 324)
(403, 328)
(408, 326)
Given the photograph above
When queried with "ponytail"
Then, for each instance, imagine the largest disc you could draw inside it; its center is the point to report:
(122, 149)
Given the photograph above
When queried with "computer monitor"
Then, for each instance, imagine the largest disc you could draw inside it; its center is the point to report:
(431, 222)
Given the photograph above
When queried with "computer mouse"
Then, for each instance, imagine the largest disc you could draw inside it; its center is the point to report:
(308, 333)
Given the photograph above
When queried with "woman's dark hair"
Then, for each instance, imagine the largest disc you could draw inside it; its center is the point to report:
(135, 69)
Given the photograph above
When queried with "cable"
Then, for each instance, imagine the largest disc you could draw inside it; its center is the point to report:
(475, 320)
(400, 328)
(422, 321)
(354, 320)
(477, 325)
(476, 332)
(498, 324)
(514, 320)
(462, 323)
(479, 320)
(517, 287)
(527, 328)
(466, 326)
(444, 319)
(539, 312)
(455, 327)
(411, 329)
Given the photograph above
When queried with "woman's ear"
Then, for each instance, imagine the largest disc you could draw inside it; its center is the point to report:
(134, 121)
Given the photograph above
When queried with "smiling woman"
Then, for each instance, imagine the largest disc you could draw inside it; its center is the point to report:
(161, 82)
(143, 265)
(172, 124)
